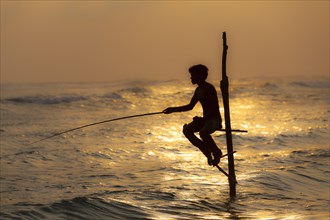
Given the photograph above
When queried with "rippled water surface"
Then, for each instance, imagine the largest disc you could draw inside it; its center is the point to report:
(144, 168)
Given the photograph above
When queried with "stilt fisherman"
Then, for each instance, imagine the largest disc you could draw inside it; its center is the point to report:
(206, 94)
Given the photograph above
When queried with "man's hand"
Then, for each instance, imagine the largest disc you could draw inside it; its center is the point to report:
(168, 110)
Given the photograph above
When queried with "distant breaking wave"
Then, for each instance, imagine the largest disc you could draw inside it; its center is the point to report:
(46, 100)
(62, 99)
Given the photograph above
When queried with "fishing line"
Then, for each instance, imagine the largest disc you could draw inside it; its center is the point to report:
(95, 123)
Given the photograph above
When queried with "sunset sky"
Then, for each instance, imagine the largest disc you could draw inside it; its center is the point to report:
(92, 41)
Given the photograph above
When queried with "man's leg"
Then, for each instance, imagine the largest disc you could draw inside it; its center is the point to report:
(189, 130)
(205, 134)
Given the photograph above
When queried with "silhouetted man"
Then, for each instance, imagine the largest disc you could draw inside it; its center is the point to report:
(206, 94)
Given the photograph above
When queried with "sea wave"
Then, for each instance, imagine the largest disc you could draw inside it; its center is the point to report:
(113, 96)
(139, 91)
(311, 84)
(78, 208)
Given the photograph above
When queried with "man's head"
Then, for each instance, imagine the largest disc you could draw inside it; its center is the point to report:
(198, 73)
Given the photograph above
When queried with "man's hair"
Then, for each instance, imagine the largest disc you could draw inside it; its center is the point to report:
(199, 69)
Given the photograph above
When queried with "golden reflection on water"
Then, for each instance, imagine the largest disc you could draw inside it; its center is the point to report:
(249, 113)
(169, 134)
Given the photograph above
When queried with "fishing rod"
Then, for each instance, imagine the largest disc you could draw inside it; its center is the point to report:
(109, 120)
(95, 123)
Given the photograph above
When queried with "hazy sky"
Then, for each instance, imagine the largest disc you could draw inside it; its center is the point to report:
(87, 41)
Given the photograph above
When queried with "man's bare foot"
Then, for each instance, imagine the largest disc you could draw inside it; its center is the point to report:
(216, 158)
(210, 161)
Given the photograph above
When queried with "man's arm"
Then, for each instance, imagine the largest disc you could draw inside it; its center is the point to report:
(183, 108)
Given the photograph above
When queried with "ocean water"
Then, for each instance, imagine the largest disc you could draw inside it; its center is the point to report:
(144, 168)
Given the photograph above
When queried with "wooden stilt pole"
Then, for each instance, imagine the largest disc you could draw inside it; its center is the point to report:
(224, 85)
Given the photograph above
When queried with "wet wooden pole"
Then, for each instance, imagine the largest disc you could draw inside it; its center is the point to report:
(224, 85)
